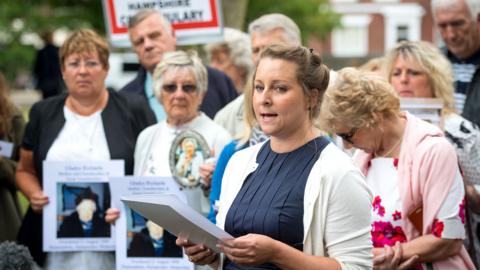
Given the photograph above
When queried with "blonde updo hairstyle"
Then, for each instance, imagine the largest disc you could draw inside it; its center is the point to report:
(311, 74)
(358, 99)
(432, 62)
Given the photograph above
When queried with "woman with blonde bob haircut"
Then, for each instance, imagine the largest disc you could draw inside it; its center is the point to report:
(418, 206)
(418, 69)
(422, 58)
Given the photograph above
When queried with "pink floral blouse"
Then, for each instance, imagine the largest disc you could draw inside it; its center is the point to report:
(387, 229)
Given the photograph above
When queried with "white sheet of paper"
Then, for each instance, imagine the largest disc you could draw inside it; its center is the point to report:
(168, 211)
(125, 227)
(75, 176)
(6, 149)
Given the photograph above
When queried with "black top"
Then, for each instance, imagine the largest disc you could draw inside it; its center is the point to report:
(220, 90)
(123, 119)
(271, 199)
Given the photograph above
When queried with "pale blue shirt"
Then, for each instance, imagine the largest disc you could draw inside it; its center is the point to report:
(153, 102)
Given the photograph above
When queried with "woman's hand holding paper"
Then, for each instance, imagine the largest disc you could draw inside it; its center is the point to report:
(197, 253)
(251, 249)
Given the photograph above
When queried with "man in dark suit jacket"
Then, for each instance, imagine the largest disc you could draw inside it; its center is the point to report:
(86, 220)
(151, 36)
(149, 242)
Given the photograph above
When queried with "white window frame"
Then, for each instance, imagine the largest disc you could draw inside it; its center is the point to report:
(360, 22)
(409, 15)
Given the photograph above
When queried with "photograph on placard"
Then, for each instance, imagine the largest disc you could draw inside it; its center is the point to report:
(81, 208)
(147, 239)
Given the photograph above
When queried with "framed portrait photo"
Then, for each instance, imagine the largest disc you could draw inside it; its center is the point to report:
(189, 150)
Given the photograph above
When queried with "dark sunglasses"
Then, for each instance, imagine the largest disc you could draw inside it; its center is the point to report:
(348, 136)
(186, 88)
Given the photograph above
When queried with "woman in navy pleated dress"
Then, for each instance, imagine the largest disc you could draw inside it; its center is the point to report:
(295, 201)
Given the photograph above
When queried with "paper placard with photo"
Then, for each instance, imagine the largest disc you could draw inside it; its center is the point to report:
(79, 195)
(6, 149)
(427, 109)
(189, 150)
(140, 243)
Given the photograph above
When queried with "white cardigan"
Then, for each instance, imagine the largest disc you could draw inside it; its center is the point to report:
(337, 205)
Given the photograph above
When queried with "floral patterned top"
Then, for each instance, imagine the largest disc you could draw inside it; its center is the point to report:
(387, 229)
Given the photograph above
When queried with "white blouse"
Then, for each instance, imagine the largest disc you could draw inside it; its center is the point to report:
(82, 138)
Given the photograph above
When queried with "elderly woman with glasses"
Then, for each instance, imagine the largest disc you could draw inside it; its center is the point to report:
(412, 170)
(180, 83)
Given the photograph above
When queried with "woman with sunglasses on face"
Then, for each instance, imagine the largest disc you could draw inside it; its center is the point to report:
(295, 201)
(412, 170)
(180, 83)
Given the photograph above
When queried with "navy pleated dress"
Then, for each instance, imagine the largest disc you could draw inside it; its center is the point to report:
(270, 201)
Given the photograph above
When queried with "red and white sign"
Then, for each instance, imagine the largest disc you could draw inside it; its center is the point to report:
(194, 21)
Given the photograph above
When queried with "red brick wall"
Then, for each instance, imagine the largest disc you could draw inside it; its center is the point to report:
(376, 30)
(376, 34)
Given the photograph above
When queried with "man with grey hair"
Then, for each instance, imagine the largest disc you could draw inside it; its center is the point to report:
(267, 30)
(271, 29)
(151, 36)
(459, 24)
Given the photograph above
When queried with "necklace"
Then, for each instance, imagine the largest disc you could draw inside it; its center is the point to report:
(391, 149)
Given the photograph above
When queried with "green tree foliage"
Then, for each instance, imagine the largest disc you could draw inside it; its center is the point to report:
(22, 17)
(314, 17)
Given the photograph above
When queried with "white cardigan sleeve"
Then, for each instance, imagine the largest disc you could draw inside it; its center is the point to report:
(337, 212)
